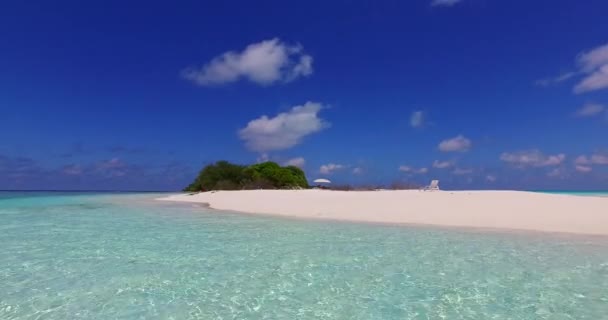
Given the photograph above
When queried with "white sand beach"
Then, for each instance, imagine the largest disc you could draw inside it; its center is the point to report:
(480, 209)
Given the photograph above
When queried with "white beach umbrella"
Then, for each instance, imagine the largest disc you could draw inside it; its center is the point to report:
(322, 181)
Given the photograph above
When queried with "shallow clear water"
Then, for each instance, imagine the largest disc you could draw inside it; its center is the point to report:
(128, 257)
(579, 193)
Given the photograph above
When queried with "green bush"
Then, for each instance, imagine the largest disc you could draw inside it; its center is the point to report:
(224, 175)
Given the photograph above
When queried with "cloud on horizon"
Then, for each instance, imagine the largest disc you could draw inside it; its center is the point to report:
(296, 162)
(532, 158)
(413, 170)
(598, 159)
(583, 169)
(263, 63)
(444, 3)
(21, 173)
(442, 164)
(462, 171)
(330, 168)
(285, 130)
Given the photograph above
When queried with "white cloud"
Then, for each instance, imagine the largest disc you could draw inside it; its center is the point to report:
(594, 64)
(582, 160)
(285, 130)
(595, 81)
(330, 168)
(550, 81)
(461, 171)
(263, 63)
(532, 158)
(113, 167)
(296, 162)
(417, 119)
(555, 173)
(442, 164)
(599, 159)
(409, 169)
(590, 110)
(264, 157)
(597, 57)
(444, 3)
(405, 168)
(490, 178)
(456, 144)
(583, 169)
(358, 170)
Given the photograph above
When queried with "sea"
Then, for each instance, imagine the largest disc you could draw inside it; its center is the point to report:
(129, 256)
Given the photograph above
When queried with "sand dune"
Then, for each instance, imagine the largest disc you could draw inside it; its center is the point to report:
(482, 209)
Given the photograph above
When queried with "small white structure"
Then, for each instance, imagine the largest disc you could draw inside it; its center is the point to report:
(320, 182)
(434, 186)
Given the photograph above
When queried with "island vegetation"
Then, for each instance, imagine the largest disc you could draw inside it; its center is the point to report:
(224, 175)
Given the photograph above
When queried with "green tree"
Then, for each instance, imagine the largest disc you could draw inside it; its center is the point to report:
(224, 175)
(211, 174)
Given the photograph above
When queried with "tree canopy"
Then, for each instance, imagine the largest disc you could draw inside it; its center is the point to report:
(224, 175)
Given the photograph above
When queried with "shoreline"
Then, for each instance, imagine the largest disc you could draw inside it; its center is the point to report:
(510, 211)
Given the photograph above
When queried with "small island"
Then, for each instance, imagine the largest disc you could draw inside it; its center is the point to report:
(224, 175)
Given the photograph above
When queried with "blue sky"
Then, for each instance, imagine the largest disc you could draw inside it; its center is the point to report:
(140, 95)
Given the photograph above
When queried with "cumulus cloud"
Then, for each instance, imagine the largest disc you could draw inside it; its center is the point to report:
(490, 178)
(285, 130)
(442, 164)
(456, 144)
(444, 3)
(330, 168)
(417, 119)
(590, 110)
(413, 170)
(594, 64)
(532, 158)
(296, 162)
(263, 63)
(357, 170)
(593, 59)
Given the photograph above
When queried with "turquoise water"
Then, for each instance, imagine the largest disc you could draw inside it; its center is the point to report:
(127, 257)
(579, 193)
